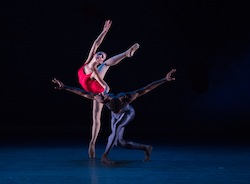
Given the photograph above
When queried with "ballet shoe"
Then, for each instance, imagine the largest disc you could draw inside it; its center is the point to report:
(132, 50)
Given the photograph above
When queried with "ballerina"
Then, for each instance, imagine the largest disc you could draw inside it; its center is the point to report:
(91, 77)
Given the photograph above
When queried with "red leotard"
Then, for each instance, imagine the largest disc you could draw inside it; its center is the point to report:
(88, 84)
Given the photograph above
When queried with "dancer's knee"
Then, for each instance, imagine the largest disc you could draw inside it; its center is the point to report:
(121, 143)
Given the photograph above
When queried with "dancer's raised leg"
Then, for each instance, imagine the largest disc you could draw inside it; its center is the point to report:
(114, 60)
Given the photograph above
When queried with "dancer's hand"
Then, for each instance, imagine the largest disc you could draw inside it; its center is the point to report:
(169, 77)
(59, 83)
(107, 25)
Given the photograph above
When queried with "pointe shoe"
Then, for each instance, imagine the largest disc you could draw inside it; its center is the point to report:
(132, 50)
(91, 151)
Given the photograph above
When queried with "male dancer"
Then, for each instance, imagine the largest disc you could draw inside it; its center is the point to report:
(121, 111)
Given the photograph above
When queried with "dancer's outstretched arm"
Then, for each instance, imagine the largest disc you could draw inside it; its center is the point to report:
(99, 40)
(101, 98)
(78, 91)
(139, 92)
(92, 96)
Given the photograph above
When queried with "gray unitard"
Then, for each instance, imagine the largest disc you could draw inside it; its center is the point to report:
(118, 123)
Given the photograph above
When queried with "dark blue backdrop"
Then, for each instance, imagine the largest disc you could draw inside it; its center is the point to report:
(206, 41)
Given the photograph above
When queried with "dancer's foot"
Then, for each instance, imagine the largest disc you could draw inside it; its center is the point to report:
(148, 150)
(106, 160)
(91, 150)
(130, 52)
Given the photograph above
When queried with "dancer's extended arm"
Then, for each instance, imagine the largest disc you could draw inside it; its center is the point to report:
(139, 92)
(99, 40)
(78, 91)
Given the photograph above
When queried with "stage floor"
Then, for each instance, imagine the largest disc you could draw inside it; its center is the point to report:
(58, 162)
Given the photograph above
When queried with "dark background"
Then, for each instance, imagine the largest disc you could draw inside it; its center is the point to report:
(206, 41)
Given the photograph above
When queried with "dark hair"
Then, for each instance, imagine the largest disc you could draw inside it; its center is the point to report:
(115, 105)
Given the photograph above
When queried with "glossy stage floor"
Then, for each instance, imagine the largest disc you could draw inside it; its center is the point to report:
(66, 161)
